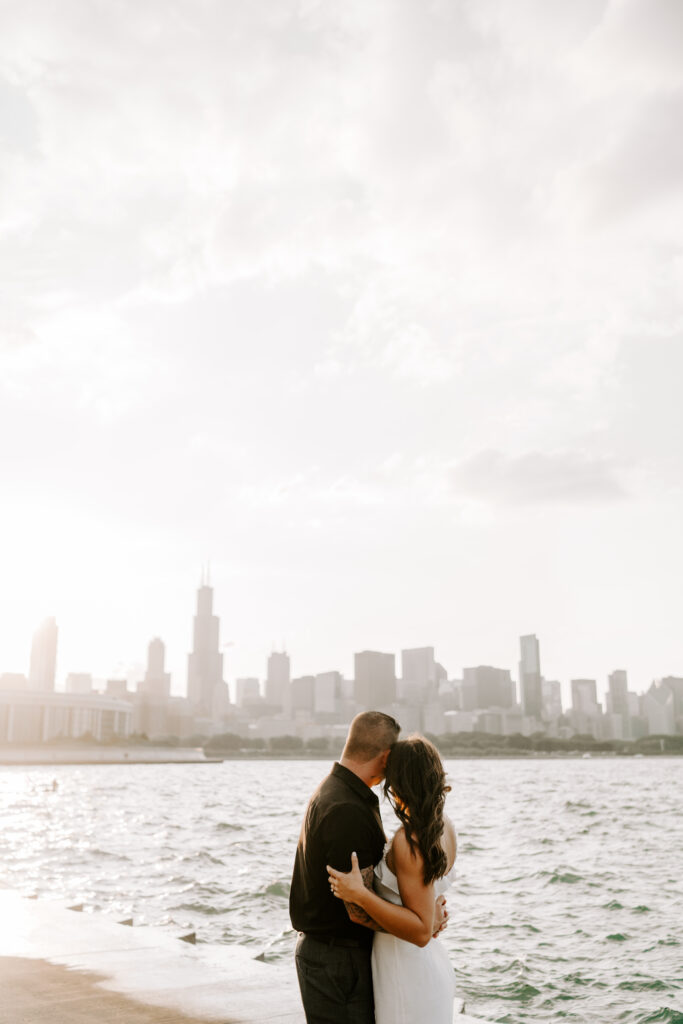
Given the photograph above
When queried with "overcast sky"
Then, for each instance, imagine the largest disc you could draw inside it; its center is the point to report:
(377, 305)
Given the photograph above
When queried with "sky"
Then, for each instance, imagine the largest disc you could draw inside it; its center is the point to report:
(374, 306)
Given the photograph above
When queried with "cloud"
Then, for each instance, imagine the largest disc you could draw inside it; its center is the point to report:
(634, 49)
(537, 477)
(642, 167)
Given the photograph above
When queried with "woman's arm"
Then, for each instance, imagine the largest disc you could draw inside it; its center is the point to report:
(415, 920)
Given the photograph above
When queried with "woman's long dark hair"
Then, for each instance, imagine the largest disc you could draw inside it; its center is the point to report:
(415, 784)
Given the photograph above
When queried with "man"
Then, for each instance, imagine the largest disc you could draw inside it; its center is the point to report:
(335, 939)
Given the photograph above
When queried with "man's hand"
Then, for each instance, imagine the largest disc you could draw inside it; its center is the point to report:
(440, 915)
(349, 887)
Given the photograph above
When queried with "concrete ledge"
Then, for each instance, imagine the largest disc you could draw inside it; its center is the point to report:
(64, 967)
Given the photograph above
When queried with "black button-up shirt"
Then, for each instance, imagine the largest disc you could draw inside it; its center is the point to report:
(342, 816)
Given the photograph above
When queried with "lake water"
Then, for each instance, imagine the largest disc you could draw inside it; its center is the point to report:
(568, 901)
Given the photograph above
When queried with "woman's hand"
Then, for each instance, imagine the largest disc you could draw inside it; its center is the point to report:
(347, 886)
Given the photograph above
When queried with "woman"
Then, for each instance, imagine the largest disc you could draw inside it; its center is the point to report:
(412, 976)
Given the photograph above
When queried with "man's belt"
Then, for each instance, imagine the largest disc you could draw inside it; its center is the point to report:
(335, 940)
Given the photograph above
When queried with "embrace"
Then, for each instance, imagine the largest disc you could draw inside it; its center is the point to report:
(368, 911)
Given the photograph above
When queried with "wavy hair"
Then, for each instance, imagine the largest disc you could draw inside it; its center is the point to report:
(415, 784)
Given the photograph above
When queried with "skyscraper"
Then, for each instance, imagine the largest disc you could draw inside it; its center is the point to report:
(618, 692)
(530, 688)
(303, 694)
(157, 681)
(552, 698)
(488, 687)
(585, 695)
(41, 675)
(675, 684)
(419, 678)
(375, 680)
(277, 679)
(328, 693)
(205, 663)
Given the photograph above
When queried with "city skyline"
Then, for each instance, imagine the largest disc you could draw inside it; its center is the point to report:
(205, 670)
(320, 706)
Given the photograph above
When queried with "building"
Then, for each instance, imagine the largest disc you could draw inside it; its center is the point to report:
(460, 721)
(433, 719)
(657, 708)
(157, 681)
(43, 664)
(328, 693)
(419, 675)
(302, 694)
(247, 691)
(585, 714)
(530, 688)
(181, 721)
(675, 685)
(617, 693)
(488, 687)
(585, 696)
(117, 688)
(278, 679)
(152, 700)
(28, 716)
(79, 682)
(551, 692)
(612, 726)
(374, 680)
(205, 685)
(13, 681)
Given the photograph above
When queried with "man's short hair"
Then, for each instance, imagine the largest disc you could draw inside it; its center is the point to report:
(370, 733)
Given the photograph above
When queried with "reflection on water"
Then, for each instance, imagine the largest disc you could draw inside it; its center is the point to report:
(568, 901)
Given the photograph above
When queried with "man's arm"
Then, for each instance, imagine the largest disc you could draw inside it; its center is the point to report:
(355, 912)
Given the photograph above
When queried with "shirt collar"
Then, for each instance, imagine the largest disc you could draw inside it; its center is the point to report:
(356, 784)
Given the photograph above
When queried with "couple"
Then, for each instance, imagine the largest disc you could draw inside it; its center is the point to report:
(392, 894)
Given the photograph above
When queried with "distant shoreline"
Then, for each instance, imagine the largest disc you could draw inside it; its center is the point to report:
(57, 757)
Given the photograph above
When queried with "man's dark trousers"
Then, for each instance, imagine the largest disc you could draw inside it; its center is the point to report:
(335, 982)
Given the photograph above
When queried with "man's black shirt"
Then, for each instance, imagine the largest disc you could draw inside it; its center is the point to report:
(342, 816)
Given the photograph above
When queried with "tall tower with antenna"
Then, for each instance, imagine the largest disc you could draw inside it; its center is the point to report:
(205, 661)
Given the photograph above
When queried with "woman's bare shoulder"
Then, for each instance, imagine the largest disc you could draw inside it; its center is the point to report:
(403, 854)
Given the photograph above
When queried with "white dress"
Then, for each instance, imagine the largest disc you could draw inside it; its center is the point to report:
(412, 984)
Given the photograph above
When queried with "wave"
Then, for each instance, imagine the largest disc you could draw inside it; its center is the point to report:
(665, 1015)
(645, 985)
(565, 877)
(518, 991)
(202, 855)
(278, 889)
(205, 909)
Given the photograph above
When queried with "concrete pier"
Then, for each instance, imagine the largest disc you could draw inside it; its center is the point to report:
(59, 966)
(47, 755)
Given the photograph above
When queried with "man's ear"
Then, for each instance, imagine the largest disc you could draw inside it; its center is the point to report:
(384, 757)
